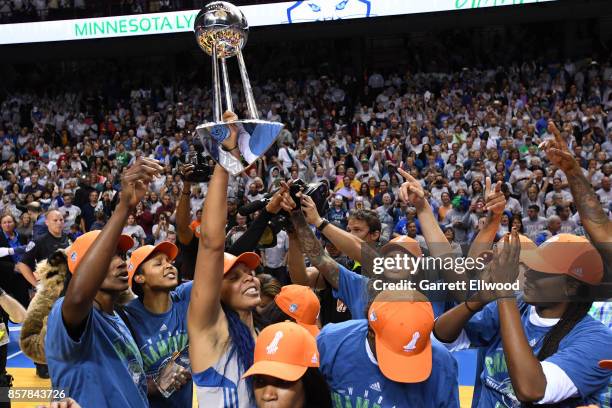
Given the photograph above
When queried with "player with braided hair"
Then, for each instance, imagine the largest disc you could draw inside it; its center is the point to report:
(542, 348)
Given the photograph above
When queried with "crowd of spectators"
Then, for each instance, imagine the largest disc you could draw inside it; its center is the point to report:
(449, 130)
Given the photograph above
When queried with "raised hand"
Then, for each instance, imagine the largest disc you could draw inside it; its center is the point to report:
(274, 206)
(287, 202)
(135, 180)
(557, 151)
(232, 140)
(505, 264)
(185, 171)
(495, 201)
(411, 191)
(309, 208)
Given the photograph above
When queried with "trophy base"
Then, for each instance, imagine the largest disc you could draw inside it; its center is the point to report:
(254, 138)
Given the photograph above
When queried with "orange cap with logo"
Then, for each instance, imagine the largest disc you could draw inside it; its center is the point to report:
(142, 253)
(566, 254)
(302, 304)
(402, 322)
(406, 243)
(80, 246)
(285, 351)
(250, 259)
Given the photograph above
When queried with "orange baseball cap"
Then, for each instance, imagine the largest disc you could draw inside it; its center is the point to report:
(404, 243)
(607, 364)
(402, 322)
(566, 254)
(302, 304)
(285, 351)
(250, 259)
(142, 253)
(81, 245)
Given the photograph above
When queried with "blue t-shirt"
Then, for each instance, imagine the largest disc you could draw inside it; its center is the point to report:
(337, 216)
(158, 336)
(356, 381)
(103, 368)
(578, 355)
(353, 291)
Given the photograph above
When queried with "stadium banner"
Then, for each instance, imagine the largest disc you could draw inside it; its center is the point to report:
(291, 12)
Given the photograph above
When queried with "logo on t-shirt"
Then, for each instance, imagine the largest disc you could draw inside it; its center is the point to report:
(273, 346)
(375, 386)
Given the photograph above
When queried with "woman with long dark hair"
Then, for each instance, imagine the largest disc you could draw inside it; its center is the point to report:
(516, 222)
(364, 193)
(543, 348)
(285, 370)
(224, 295)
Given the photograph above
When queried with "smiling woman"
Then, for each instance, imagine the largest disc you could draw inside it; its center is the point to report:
(159, 325)
(220, 317)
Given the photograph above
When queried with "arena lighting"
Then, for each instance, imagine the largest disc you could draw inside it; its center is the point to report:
(290, 12)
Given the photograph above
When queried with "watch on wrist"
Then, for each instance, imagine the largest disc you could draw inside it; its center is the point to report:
(322, 225)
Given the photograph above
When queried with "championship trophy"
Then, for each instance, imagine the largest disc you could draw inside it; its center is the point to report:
(221, 31)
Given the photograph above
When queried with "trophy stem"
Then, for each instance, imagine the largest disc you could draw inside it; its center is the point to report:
(248, 91)
(226, 85)
(216, 90)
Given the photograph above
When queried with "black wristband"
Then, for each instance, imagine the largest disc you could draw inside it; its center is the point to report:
(322, 226)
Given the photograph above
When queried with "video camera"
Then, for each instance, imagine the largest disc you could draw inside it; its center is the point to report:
(202, 170)
(281, 221)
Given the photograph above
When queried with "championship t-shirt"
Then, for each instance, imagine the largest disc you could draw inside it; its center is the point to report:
(159, 336)
(578, 356)
(355, 380)
(102, 368)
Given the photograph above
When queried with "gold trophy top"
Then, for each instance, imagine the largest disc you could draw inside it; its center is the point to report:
(222, 26)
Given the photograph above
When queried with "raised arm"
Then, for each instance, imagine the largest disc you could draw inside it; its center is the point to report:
(183, 208)
(250, 239)
(296, 266)
(592, 216)
(205, 306)
(346, 242)
(310, 245)
(495, 202)
(93, 268)
(412, 192)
